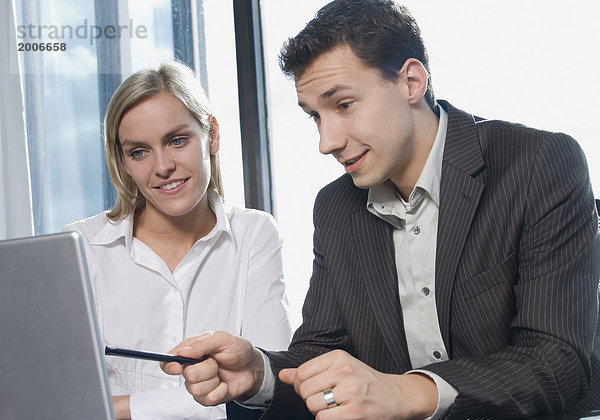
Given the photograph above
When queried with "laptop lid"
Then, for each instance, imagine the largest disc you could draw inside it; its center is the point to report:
(51, 362)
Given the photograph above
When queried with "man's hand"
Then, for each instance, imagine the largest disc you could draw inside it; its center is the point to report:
(234, 369)
(360, 392)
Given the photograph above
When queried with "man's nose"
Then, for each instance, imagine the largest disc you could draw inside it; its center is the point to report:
(331, 138)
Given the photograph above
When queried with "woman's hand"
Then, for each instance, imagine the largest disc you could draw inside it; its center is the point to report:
(121, 407)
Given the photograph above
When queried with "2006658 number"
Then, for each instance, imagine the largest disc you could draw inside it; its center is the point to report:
(42, 46)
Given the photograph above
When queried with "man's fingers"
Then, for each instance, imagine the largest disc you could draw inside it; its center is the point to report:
(218, 395)
(172, 368)
(201, 371)
(322, 363)
(316, 402)
(200, 390)
(213, 392)
(287, 376)
(321, 373)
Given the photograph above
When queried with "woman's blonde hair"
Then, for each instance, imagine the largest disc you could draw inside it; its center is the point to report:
(176, 79)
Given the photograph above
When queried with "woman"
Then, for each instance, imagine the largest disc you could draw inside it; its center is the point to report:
(168, 261)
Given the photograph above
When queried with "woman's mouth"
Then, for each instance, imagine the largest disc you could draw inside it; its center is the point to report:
(172, 185)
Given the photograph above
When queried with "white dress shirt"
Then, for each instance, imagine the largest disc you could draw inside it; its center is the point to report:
(415, 242)
(415, 239)
(232, 280)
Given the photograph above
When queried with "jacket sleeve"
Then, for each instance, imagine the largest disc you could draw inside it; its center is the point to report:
(546, 366)
(322, 329)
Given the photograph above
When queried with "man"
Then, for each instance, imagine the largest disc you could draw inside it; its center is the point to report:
(456, 263)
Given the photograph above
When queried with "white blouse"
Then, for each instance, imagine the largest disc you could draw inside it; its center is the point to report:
(232, 280)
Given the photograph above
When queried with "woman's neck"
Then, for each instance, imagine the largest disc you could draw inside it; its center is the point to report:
(172, 237)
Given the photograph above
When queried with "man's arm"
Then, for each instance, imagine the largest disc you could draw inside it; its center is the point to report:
(545, 367)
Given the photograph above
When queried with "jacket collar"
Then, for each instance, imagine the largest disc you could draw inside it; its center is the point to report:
(461, 188)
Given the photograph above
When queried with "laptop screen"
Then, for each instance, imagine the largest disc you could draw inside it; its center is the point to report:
(51, 361)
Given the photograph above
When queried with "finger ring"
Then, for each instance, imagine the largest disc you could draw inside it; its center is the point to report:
(329, 398)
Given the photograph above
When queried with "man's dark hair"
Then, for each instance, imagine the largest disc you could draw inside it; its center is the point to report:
(380, 32)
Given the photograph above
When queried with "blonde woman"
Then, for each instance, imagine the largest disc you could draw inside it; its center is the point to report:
(168, 261)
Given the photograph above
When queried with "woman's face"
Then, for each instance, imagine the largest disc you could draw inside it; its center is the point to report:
(167, 153)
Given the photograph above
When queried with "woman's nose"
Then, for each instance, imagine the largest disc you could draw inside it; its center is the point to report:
(164, 165)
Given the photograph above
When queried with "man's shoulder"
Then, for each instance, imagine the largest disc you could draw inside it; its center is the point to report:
(341, 193)
(509, 129)
(498, 136)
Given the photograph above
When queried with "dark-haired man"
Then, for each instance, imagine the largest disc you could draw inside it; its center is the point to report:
(456, 263)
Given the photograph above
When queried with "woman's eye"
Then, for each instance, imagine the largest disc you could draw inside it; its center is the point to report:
(178, 141)
(344, 106)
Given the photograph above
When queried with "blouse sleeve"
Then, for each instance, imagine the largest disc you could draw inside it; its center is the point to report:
(265, 318)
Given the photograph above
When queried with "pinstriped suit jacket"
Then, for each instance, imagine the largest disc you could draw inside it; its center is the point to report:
(517, 269)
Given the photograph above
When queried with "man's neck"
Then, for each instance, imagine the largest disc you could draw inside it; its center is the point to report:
(426, 127)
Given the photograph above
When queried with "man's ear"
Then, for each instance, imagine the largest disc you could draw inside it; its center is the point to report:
(214, 136)
(417, 79)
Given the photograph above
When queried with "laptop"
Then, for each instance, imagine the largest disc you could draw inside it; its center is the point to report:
(51, 361)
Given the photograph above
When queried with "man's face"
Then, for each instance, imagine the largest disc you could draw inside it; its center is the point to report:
(364, 120)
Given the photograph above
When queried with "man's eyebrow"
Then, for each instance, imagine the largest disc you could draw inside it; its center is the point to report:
(327, 94)
(330, 92)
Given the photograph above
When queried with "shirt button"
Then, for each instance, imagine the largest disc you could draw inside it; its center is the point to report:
(416, 230)
(425, 291)
(437, 355)
(173, 339)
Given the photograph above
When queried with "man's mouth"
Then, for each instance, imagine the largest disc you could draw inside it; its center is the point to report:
(356, 159)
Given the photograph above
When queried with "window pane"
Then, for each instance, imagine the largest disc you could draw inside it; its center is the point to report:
(223, 94)
(62, 112)
(149, 50)
(504, 60)
(299, 170)
(517, 61)
(64, 93)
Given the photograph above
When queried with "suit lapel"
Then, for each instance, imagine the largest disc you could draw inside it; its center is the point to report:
(375, 251)
(460, 192)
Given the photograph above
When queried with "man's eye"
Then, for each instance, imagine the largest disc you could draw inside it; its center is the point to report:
(136, 154)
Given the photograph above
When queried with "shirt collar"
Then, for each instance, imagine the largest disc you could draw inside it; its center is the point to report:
(113, 231)
(383, 198)
(431, 175)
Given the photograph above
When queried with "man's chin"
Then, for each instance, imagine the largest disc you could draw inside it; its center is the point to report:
(362, 182)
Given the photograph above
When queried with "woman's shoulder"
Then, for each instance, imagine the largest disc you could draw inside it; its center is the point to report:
(249, 216)
(244, 220)
(90, 226)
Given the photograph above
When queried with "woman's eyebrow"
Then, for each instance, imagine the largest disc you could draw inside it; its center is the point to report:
(140, 143)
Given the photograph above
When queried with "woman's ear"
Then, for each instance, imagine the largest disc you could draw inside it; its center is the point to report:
(417, 79)
(214, 135)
